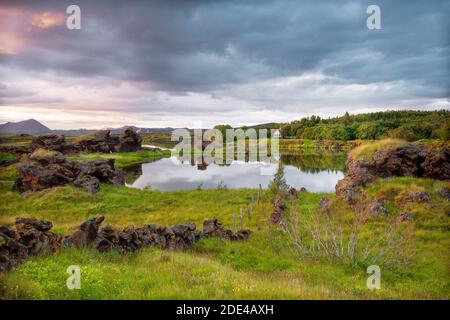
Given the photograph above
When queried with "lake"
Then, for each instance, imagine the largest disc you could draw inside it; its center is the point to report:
(315, 172)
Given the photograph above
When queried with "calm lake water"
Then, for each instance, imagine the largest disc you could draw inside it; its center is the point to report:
(315, 172)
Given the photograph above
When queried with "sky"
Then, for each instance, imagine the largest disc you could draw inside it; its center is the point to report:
(201, 63)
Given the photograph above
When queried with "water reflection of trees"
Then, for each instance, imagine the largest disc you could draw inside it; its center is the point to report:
(306, 162)
(132, 173)
(315, 163)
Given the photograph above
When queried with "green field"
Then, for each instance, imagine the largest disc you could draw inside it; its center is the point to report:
(123, 159)
(267, 266)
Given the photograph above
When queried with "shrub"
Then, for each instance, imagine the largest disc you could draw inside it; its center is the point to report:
(278, 184)
(319, 235)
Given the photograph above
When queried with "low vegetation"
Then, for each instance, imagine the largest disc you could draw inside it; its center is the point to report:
(365, 151)
(7, 156)
(16, 140)
(269, 265)
(160, 139)
(123, 159)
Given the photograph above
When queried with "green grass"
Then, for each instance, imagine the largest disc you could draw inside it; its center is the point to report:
(264, 267)
(366, 151)
(16, 140)
(123, 159)
(7, 156)
(43, 153)
(155, 274)
(160, 139)
(295, 145)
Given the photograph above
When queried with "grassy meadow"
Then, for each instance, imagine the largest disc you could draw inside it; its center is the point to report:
(267, 266)
(123, 159)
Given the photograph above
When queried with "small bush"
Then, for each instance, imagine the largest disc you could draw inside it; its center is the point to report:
(319, 235)
(42, 153)
(278, 184)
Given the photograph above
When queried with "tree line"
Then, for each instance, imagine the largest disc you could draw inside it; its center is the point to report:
(406, 124)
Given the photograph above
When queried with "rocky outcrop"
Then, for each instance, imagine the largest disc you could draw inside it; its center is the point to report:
(130, 141)
(44, 169)
(89, 183)
(406, 160)
(278, 208)
(416, 196)
(445, 193)
(405, 216)
(47, 169)
(377, 207)
(103, 170)
(130, 239)
(31, 237)
(51, 142)
(17, 150)
(101, 142)
(28, 237)
(347, 189)
(214, 228)
(324, 203)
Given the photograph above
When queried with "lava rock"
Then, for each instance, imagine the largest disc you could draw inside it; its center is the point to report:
(445, 193)
(89, 183)
(347, 188)
(406, 160)
(416, 196)
(130, 141)
(28, 237)
(324, 203)
(48, 169)
(377, 207)
(278, 208)
(50, 142)
(213, 228)
(405, 216)
(103, 170)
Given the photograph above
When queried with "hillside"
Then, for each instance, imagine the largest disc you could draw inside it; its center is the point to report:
(30, 126)
(407, 124)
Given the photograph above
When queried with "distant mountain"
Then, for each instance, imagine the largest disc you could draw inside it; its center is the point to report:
(36, 128)
(73, 132)
(30, 126)
(270, 125)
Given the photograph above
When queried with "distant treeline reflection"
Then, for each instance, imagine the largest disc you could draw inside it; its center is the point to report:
(306, 162)
(314, 163)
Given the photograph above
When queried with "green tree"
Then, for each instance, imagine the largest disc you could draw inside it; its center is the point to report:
(346, 119)
(368, 131)
(278, 184)
(444, 132)
(349, 133)
(223, 128)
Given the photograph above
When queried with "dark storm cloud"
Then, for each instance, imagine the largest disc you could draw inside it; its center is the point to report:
(200, 46)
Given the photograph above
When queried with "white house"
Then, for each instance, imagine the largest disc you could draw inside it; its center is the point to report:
(276, 134)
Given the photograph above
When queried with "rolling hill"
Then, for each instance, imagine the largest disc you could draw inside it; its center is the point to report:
(30, 126)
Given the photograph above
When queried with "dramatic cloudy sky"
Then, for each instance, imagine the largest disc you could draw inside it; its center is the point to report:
(199, 63)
